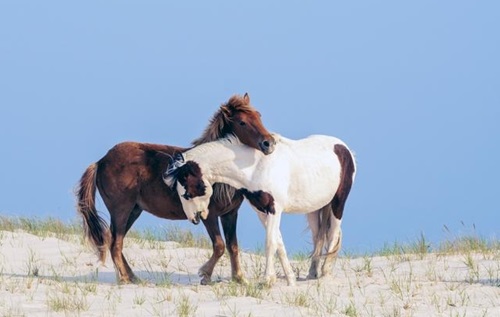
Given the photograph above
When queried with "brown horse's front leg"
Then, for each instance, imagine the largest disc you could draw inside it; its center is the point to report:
(124, 272)
(212, 226)
(229, 221)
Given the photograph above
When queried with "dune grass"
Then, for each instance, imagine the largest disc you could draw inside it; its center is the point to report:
(54, 227)
(44, 227)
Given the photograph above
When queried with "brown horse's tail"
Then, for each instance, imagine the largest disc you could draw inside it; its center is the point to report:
(96, 229)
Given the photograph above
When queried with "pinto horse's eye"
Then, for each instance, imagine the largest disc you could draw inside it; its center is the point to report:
(186, 196)
(201, 188)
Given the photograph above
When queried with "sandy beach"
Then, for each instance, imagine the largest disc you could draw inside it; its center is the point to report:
(59, 276)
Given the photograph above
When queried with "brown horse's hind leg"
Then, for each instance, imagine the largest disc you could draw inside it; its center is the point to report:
(229, 221)
(119, 228)
(212, 226)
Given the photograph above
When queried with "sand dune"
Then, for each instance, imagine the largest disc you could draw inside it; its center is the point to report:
(49, 276)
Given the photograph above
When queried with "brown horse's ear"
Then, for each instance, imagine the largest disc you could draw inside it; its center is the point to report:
(246, 97)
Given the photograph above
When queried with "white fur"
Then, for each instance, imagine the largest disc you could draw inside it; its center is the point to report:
(196, 204)
(302, 176)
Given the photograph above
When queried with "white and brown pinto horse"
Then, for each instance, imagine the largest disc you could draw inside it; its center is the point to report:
(309, 176)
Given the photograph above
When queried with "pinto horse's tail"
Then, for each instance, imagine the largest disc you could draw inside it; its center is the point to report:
(95, 228)
(347, 174)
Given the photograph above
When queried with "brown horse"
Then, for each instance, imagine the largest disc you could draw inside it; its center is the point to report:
(129, 180)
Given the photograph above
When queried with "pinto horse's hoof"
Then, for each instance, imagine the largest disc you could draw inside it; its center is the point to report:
(268, 281)
(291, 282)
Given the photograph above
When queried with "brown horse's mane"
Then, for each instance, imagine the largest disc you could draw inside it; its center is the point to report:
(218, 126)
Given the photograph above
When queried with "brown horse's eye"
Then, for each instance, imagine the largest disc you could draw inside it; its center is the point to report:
(242, 123)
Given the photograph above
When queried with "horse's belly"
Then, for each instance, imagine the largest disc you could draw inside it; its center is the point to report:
(305, 200)
(306, 203)
(313, 192)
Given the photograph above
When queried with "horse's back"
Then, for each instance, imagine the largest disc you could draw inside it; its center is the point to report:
(129, 168)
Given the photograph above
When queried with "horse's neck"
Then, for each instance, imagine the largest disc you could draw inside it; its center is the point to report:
(225, 162)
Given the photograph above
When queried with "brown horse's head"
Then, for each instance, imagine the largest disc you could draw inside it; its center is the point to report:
(238, 117)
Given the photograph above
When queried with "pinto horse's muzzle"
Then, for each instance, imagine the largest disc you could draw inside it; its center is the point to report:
(197, 218)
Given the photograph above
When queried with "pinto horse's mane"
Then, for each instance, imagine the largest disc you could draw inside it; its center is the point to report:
(219, 124)
(218, 128)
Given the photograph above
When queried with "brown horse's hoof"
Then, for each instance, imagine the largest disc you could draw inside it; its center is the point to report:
(240, 280)
(206, 281)
(205, 278)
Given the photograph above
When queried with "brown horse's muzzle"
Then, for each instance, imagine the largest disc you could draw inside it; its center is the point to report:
(267, 146)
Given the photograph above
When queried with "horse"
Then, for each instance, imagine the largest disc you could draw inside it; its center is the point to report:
(129, 181)
(313, 175)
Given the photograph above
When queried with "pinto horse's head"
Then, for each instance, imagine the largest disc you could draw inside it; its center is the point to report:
(239, 117)
(194, 192)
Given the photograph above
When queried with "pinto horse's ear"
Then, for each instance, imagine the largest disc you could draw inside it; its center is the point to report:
(170, 175)
(246, 97)
(178, 157)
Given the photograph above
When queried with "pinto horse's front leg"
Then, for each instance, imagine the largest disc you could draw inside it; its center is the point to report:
(285, 263)
(274, 242)
(271, 246)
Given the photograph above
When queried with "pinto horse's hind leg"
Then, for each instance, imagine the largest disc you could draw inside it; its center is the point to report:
(212, 226)
(314, 219)
(334, 238)
(120, 224)
(229, 221)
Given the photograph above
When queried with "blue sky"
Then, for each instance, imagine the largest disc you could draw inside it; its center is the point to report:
(412, 87)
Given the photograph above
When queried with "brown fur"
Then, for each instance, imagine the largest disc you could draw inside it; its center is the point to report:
(219, 123)
(129, 180)
(347, 171)
(263, 201)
